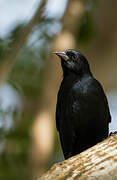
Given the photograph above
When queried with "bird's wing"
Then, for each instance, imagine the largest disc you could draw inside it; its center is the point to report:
(103, 99)
(67, 108)
(108, 111)
(67, 116)
(58, 113)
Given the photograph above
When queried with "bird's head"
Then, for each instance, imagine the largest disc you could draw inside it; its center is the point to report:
(73, 61)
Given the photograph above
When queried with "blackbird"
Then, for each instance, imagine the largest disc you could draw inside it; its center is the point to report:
(82, 111)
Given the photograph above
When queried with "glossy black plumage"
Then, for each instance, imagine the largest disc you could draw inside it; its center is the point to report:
(82, 112)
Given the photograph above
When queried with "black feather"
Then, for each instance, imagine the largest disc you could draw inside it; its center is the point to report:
(82, 112)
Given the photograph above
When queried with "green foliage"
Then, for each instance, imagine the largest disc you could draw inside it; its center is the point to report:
(4, 47)
(28, 70)
(14, 33)
(7, 43)
(14, 159)
(25, 74)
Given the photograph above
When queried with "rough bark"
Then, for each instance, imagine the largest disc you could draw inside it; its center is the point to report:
(97, 163)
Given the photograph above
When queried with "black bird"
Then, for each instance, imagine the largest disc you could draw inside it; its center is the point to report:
(82, 112)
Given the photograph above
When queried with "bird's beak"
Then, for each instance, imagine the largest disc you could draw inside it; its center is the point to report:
(62, 55)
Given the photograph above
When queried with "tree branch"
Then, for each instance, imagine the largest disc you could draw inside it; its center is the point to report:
(97, 163)
(9, 59)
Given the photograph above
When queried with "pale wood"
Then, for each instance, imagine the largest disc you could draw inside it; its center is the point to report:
(97, 163)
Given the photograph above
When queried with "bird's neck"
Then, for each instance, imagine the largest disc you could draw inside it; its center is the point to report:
(72, 75)
(75, 72)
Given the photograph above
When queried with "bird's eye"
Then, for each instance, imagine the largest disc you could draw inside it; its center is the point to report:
(74, 57)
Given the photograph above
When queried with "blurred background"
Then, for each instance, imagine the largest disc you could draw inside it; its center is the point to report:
(30, 74)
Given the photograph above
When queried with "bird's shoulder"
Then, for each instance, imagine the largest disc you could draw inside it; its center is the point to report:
(87, 85)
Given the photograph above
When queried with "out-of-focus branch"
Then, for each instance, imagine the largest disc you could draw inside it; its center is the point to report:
(43, 128)
(9, 58)
(98, 162)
